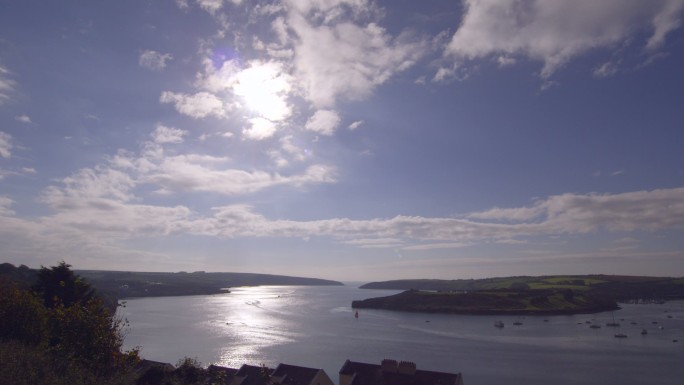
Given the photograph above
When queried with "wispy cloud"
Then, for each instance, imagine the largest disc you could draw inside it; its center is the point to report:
(356, 125)
(5, 144)
(23, 119)
(6, 85)
(163, 134)
(154, 60)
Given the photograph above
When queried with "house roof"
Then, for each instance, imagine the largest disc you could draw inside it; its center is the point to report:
(222, 374)
(295, 375)
(144, 365)
(253, 375)
(372, 374)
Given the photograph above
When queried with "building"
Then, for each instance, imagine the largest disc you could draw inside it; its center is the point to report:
(284, 374)
(221, 375)
(252, 375)
(391, 372)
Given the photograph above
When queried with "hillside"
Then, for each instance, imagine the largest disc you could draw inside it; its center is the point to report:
(523, 295)
(539, 302)
(127, 284)
(619, 288)
(140, 284)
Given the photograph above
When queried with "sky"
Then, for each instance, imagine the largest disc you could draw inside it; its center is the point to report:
(355, 140)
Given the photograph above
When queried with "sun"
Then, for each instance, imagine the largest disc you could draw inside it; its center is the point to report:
(264, 87)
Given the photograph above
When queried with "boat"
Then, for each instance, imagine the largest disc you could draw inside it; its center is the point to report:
(613, 324)
(620, 335)
(644, 332)
(499, 324)
(595, 326)
(517, 323)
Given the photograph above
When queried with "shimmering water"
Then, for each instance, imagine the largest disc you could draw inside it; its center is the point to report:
(315, 327)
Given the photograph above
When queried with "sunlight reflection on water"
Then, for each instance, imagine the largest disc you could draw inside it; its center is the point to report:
(258, 323)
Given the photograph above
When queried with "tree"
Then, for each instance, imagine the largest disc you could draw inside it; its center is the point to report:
(59, 285)
(82, 328)
(60, 333)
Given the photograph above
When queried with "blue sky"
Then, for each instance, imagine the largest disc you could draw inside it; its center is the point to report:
(344, 139)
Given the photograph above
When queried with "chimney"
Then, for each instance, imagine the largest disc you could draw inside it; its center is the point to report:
(388, 366)
(406, 367)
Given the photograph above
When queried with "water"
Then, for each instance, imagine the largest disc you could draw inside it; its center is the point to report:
(315, 327)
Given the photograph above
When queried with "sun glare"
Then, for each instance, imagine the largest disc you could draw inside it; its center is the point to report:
(263, 88)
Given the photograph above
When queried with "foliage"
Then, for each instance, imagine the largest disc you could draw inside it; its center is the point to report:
(22, 316)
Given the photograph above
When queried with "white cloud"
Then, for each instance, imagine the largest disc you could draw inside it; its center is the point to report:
(154, 60)
(335, 58)
(190, 173)
(5, 144)
(260, 129)
(163, 134)
(573, 213)
(556, 31)
(323, 122)
(199, 105)
(178, 174)
(90, 184)
(356, 125)
(23, 119)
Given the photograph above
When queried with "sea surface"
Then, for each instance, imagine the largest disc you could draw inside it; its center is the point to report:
(315, 327)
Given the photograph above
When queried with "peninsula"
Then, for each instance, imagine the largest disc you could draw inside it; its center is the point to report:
(547, 295)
